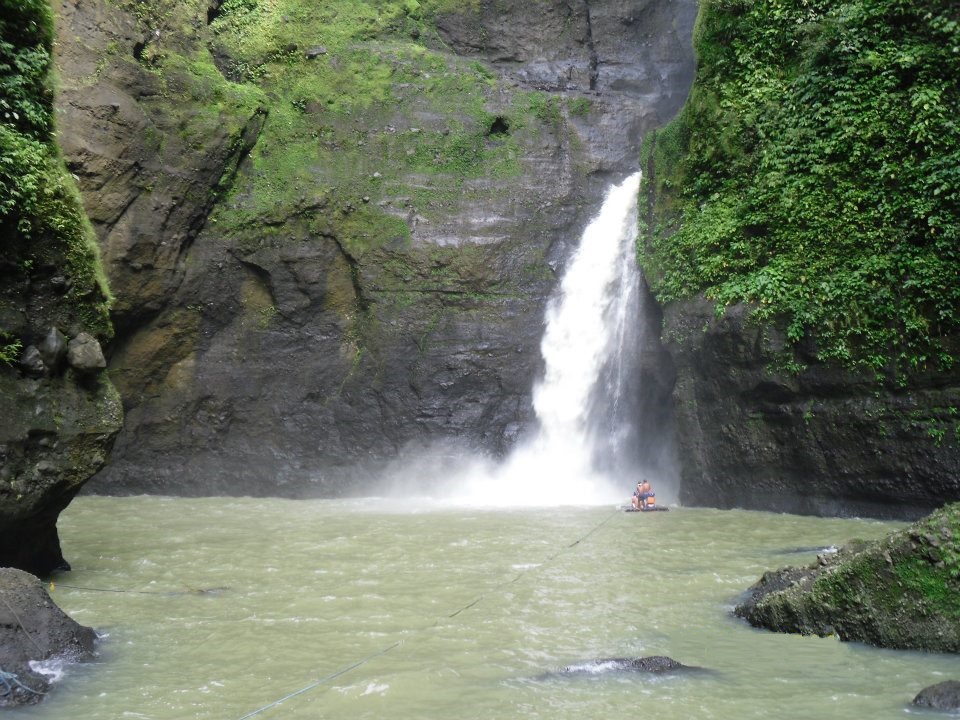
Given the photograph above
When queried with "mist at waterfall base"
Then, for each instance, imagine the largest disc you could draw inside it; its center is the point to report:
(585, 449)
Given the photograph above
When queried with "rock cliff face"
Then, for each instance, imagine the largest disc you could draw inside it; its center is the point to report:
(330, 239)
(60, 412)
(810, 299)
(753, 432)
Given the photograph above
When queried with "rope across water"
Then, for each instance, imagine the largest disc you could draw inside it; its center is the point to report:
(475, 601)
(10, 681)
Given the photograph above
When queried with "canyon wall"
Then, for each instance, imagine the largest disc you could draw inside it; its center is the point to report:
(60, 412)
(801, 227)
(331, 231)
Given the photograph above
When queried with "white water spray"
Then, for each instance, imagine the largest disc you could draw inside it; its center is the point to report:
(585, 349)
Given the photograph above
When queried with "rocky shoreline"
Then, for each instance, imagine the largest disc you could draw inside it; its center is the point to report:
(36, 639)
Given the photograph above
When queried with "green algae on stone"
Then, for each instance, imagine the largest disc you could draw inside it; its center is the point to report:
(368, 107)
(900, 592)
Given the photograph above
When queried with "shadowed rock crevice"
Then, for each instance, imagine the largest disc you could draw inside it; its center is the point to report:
(239, 147)
(214, 9)
(594, 64)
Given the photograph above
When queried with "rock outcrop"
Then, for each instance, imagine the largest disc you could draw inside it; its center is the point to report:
(60, 412)
(330, 241)
(754, 432)
(944, 696)
(900, 592)
(34, 633)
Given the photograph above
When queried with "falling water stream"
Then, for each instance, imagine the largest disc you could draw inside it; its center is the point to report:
(465, 607)
(586, 351)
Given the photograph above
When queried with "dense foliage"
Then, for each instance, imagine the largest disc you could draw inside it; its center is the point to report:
(815, 172)
(25, 99)
(42, 224)
(372, 105)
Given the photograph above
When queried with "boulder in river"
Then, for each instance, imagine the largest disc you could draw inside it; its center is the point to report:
(655, 664)
(900, 592)
(942, 696)
(34, 634)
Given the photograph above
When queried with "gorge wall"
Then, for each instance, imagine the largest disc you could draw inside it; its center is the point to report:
(331, 230)
(802, 226)
(60, 412)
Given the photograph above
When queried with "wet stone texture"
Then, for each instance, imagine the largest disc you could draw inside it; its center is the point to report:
(822, 441)
(34, 634)
(296, 353)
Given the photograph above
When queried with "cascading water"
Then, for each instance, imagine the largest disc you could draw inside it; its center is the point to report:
(585, 434)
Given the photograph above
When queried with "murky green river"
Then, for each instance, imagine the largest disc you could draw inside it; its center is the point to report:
(375, 610)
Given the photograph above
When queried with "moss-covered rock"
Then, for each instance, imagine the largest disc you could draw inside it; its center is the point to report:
(900, 592)
(60, 411)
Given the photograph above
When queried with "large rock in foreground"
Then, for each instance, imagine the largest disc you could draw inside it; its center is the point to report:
(34, 629)
(900, 592)
(942, 696)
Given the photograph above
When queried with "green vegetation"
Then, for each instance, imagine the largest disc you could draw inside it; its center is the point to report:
(10, 348)
(365, 104)
(42, 224)
(579, 107)
(544, 107)
(815, 173)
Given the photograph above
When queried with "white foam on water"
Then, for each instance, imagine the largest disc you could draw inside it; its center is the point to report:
(52, 668)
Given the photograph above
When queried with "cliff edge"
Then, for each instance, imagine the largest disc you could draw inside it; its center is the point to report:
(60, 412)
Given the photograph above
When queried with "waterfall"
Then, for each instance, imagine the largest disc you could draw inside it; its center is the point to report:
(582, 450)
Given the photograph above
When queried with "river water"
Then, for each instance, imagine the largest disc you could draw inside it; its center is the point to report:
(422, 610)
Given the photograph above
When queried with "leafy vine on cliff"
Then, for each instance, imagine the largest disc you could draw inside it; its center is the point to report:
(42, 224)
(815, 173)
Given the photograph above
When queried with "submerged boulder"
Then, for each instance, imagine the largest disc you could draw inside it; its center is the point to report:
(34, 635)
(900, 592)
(651, 664)
(942, 696)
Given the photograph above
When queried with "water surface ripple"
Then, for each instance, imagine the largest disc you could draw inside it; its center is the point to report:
(240, 602)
